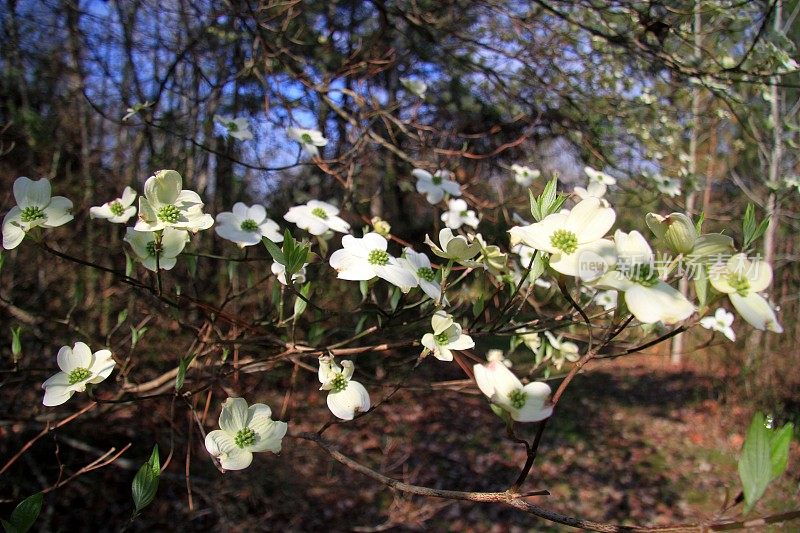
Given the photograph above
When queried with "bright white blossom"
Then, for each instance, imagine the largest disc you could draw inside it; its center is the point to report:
(247, 225)
(166, 204)
(524, 175)
(599, 177)
(594, 189)
(455, 247)
(317, 217)
(346, 397)
(148, 252)
(119, 210)
(238, 128)
(310, 140)
(243, 431)
(561, 350)
(648, 298)
(571, 236)
(721, 321)
(447, 336)
(365, 258)
(280, 272)
(416, 87)
(742, 280)
(499, 356)
(420, 267)
(35, 208)
(669, 186)
(458, 214)
(529, 403)
(434, 186)
(79, 368)
(607, 299)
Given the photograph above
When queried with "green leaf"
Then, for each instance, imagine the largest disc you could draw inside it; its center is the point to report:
(25, 514)
(395, 298)
(183, 366)
(701, 284)
(477, 306)
(698, 226)
(16, 344)
(145, 484)
(7, 527)
(191, 264)
(122, 316)
(300, 304)
(363, 286)
(274, 251)
(755, 468)
(535, 211)
(779, 450)
(231, 268)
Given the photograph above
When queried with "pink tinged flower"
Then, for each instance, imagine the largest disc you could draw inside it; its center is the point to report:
(119, 210)
(246, 226)
(35, 208)
(243, 431)
(79, 368)
(366, 258)
(317, 217)
(528, 403)
(346, 397)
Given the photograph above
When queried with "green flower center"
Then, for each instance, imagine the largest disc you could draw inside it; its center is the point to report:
(517, 398)
(378, 257)
(79, 374)
(564, 240)
(426, 273)
(644, 275)
(153, 249)
(437, 180)
(338, 383)
(319, 212)
(249, 225)
(169, 214)
(441, 338)
(116, 209)
(232, 126)
(31, 213)
(245, 437)
(463, 213)
(740, 283)
(307, 138)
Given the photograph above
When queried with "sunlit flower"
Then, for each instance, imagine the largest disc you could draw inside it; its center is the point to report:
(247, 225)
(238, 128)
(79, 368)
(648, 298)
(527, 403)
(420, 267)
(721, 321)
(166, 204)
(447, 336)
(317, 217)
(458, 214)
(561, 350)
(594, 189)
(310, 140)
(524, 175)
(243, 431)
(571, 236)
(455, 247)
(434, 186)
(119, 210)
(742, 280)
(148, 249)
(346, 397)
(416, 87)
(607, 299)
(280, 272)
(35, 208)
(365, 258)
(599, 177)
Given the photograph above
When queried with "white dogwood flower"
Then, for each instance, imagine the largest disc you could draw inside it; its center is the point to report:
(529, 403)
(531, 339)
(721, 321)
(458, 214)
(561, 350)
(310, 140)
(606, 299)
(420, 267)
(455, 247)
(742, 280)
(571, 236)
(243, 431)
(648, 298)
(148, 250)
(415, 87)
(594, 189)
(365, 258)
(524, 175)
(434, 186)
(346, 397)
(280, 272)
(35, 208)
(317, 217)
(498, 355)
(447, 336)
(246, 226)
(238, 128)
(79, 368)
(166, 204)
(599, 177)
(119, 210)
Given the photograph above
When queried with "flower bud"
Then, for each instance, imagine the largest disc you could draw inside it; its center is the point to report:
(381, 227)
(676, 231)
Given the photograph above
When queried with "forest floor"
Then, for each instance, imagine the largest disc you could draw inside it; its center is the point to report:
(639, 442)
